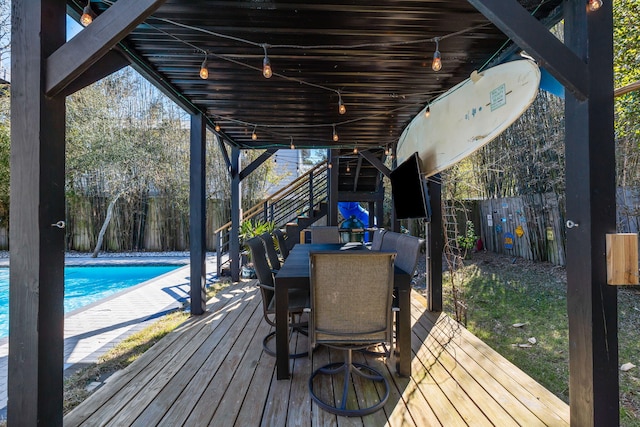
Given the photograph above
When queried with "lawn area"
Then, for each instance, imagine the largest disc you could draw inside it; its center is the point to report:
(518, 307)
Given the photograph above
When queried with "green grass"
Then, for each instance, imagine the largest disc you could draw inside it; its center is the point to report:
(500, 293)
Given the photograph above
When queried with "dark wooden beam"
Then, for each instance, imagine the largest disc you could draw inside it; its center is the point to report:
(357, 175)
(532, 36)
(332, 188)
(224, 152)
(257, 162)
(376, 162)
(591, 203)
(234, 235)
(360, 196)
(76, 56)
(197, 214)
(36, 306)
(435, 245)
(149, 72)
(111, 62)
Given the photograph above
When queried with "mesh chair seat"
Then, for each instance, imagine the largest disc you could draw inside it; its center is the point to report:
(282, 243)
(351, 295)
(322, 234)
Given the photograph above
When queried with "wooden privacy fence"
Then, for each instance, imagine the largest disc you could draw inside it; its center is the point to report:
(531, 226)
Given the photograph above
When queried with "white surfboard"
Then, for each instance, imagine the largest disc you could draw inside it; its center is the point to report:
(470, 115)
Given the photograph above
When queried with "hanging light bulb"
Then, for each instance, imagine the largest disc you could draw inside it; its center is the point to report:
(217, 127)
(330, 165)
(348, 169)
(204, 71)
(266, 64)
(593, 5)
(87, 14)
(254, 136)
(335, 134)
(427, 111)
(293, 147)
(386, 151)
(436, 65)
(355, 150)
(341, 107)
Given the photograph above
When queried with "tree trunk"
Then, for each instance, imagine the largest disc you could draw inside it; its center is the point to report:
(105, 224)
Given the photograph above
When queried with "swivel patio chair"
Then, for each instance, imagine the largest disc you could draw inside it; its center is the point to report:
(350, 310)
(298, 299)
(325, 234)
(376, 243)
(282, 243)
(408, 250)
(272, 254)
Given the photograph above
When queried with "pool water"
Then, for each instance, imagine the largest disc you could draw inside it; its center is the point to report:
(84, 285)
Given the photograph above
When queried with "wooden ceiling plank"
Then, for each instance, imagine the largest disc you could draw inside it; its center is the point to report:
(78, 54)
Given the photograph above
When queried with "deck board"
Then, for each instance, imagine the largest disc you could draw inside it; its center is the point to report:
(212, 370)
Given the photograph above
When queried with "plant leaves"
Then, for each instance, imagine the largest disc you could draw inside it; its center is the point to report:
(627, 367)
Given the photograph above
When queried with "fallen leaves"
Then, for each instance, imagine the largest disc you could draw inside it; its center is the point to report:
(627, 367)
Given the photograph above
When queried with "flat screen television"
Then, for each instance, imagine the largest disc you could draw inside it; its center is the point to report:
(409, 189)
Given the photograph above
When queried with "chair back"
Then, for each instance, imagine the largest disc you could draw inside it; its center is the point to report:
(408, 250)
(351, 297)
(376, 243)
(259, 260)
(322, 234)
(272, 254)
(389, 241)
(282, 243)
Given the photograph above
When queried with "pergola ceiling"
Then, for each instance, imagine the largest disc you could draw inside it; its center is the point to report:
(377, 54)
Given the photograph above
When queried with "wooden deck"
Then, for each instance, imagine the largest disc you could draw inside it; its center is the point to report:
(212, 371)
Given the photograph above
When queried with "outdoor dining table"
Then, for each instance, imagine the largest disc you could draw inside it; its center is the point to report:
(294, 274)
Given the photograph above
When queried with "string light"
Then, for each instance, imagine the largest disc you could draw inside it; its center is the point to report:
(335, 134)
(254, 136)
(593, 5)
(427, 111)
(293, 147)
(348, 168)
(341, 107)
(217, 127)
(355, 150)
(330, 165)
(88, 15)
(266, 64)
(386, 151)
(204, 71)
(436, 65)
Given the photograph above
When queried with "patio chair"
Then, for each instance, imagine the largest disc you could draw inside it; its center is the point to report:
(272, 254)
(376, 243)
(282, 243)
(408, 249)
(325, 234)
(298, 299)
(350, 310)
(390, 241)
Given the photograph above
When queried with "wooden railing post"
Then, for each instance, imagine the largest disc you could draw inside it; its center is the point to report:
(219, 253)
(310, 194)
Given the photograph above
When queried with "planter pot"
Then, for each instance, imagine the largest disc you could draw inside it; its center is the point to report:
(247, 272)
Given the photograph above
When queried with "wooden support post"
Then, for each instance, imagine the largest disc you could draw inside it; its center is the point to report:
(197, 213)
(332, 186)
(36, 330)
(591, 204)
(234, 236)
(435, 245)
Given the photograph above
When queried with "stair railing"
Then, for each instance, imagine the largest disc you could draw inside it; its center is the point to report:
(300, 198)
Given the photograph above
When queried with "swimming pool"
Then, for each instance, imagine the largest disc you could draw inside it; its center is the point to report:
(84, 285)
